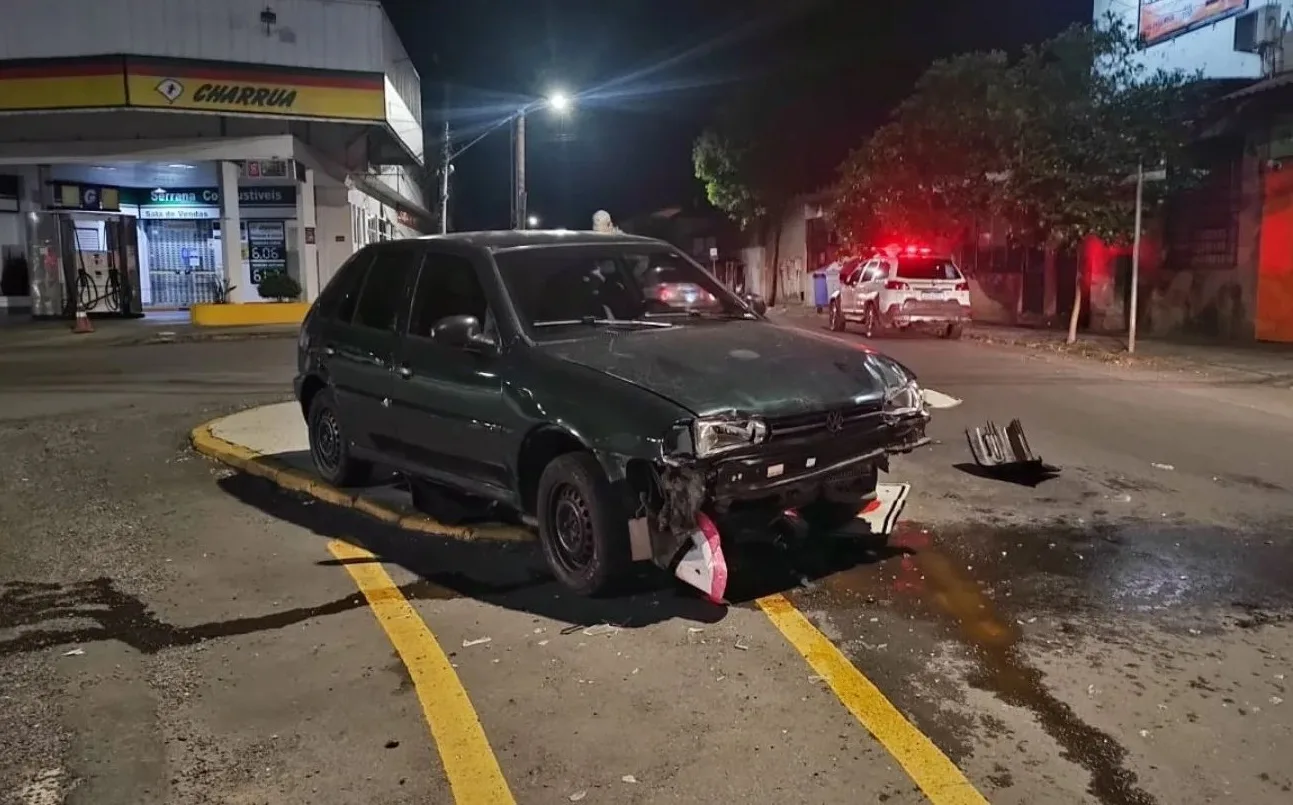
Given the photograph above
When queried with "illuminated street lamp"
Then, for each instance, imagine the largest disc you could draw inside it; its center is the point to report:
(557, 101)
(533, 221)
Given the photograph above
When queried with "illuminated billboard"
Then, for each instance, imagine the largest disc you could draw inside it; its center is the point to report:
(1163, 19)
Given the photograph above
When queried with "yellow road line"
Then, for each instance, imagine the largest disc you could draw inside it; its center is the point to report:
(940, 779)
(473, 771)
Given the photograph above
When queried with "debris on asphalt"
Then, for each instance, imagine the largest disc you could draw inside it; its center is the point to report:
(480, 641)
(1158, 466)
(601, 629)
(578, 795)
(739, 644)
(628, 778)
(392, 744)
(1004, 454)
(76, 652)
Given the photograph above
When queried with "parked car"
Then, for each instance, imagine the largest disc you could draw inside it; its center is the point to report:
(542, 372)
(899, 288)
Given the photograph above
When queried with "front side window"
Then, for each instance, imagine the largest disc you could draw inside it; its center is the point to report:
(387, 286)
(447, 286)
(555, 285)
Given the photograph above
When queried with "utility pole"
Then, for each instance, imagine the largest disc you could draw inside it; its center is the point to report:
(519, 205)
(1135, 258)
(446, 167)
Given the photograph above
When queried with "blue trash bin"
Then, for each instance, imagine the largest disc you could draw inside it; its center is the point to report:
(821, 295)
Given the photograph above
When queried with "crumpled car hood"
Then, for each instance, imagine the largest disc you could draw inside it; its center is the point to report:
(748, 366)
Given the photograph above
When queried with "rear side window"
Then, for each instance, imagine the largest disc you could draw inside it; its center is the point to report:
(927, 268)
(386, 290)
(337, 301)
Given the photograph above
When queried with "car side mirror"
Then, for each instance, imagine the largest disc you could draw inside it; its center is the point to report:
(755, 301)
(461, 332)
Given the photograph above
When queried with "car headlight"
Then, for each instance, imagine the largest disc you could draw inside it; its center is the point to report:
(902, 394)
(904, 400)
(713, 435)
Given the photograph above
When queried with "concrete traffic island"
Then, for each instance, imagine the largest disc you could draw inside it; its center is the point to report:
(271, 442)
(243, 314)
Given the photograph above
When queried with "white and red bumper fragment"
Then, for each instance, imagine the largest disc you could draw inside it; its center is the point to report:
(703, 566)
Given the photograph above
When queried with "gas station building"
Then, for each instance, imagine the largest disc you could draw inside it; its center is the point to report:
(137, 143)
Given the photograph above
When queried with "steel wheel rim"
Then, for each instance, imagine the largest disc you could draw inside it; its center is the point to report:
(326, 443)
(835, 317)
(571, 523)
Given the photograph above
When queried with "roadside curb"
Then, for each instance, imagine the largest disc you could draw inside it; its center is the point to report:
(248, 461)
(59, 342)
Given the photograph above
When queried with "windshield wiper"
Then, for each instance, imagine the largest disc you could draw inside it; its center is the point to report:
(593, 321)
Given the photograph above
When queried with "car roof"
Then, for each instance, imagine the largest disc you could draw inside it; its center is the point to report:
(498, 240)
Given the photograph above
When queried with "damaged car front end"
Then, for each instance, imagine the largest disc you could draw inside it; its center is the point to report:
(735, 473)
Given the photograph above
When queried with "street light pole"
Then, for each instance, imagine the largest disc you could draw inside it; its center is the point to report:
(446, 167)
(519, 220)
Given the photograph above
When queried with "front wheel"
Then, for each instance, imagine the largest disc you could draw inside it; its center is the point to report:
(830, 516)
(953, 331)
(871, 324)
(836, 317)
(582, 526)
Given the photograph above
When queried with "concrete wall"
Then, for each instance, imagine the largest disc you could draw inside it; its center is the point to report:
(1209, 48)
(1178, 300)
(325, 34)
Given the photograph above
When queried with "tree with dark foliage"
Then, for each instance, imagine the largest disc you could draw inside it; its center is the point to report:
(1051, 142)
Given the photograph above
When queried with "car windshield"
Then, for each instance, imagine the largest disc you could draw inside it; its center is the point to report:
(927, 268)
(569, 285)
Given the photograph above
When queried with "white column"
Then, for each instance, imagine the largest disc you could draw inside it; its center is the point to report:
(230, 236)
(307, 219)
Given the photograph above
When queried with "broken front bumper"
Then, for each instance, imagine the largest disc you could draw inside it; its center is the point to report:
(800, 463)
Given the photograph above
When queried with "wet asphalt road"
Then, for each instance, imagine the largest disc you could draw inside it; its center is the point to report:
(1117, 634)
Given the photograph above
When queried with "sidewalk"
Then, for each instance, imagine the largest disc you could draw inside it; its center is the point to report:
(1268, 363)
(271, 441)
(28, 334)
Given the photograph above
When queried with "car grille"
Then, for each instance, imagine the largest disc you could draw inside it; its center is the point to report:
(839, 422)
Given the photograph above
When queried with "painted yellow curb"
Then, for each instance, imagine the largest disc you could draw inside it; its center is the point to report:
(248, 313)
(294, 480)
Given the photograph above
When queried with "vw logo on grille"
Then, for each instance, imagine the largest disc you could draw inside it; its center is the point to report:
(835, 422)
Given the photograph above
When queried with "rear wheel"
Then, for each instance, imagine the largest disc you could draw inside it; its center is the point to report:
(582, 525)
(836, 317)
(953, 331)
(330, 447)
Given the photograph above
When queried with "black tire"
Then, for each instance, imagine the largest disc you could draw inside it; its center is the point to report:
(871, 324)
(953, 331)
(835, 318)
(329, 447)
(576, 498)
(829, 516)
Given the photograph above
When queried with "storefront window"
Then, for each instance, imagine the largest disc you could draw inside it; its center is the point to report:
(184, 261)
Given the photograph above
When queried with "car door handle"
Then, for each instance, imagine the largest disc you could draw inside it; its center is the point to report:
(404, 372)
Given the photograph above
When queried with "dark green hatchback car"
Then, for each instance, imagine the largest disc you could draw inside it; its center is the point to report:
(605, 385)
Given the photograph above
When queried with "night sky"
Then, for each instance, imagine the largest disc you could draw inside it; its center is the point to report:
(648, 74)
